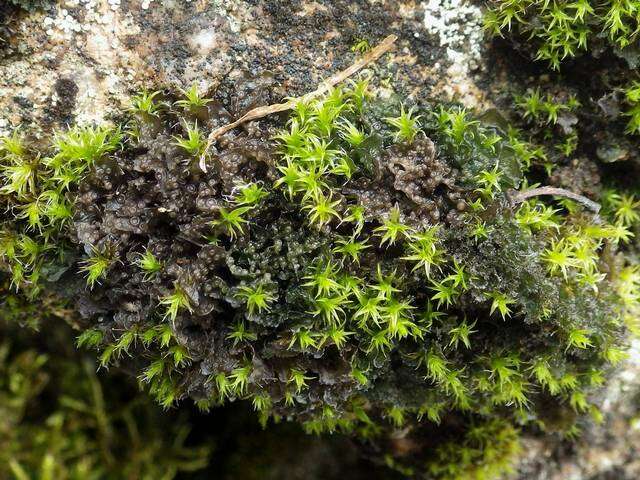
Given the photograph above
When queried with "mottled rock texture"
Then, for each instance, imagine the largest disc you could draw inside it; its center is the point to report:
(80, 60)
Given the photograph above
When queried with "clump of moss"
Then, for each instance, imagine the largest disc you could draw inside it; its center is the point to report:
(484, 451)
(58, 420)
(360, 270)
(561, 30)
(632, 98)
(39, 192)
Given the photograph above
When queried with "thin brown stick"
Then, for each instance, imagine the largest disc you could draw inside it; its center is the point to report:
(520, 197)
(259, 112)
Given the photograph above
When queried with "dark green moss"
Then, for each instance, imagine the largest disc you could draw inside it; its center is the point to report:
(364, 270)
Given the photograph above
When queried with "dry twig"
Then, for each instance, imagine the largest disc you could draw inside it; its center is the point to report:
(519, 197)
(259, 112)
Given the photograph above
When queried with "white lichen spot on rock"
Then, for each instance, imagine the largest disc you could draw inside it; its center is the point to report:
(205, 41)
(63, 25)
(457, 24)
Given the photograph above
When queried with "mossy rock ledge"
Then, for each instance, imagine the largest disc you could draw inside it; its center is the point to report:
(429, 271)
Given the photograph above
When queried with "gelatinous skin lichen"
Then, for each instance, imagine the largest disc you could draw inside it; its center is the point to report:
(363, 268)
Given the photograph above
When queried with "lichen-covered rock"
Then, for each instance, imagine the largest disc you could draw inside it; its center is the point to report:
(110, 49)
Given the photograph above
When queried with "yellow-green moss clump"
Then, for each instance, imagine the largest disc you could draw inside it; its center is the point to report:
(59, 421)
(558, 32)
(562, 30)
(370, 268)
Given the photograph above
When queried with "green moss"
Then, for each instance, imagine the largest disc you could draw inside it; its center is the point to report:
(59, 420)
(632, 97)
(41, 192)
(361, 271)
(562, 30)
(486, 451)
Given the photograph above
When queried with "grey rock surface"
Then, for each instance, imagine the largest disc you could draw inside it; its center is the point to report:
(80, 60)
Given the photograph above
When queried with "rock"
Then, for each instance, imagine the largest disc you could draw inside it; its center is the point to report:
(79, 61)
(111, 49)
